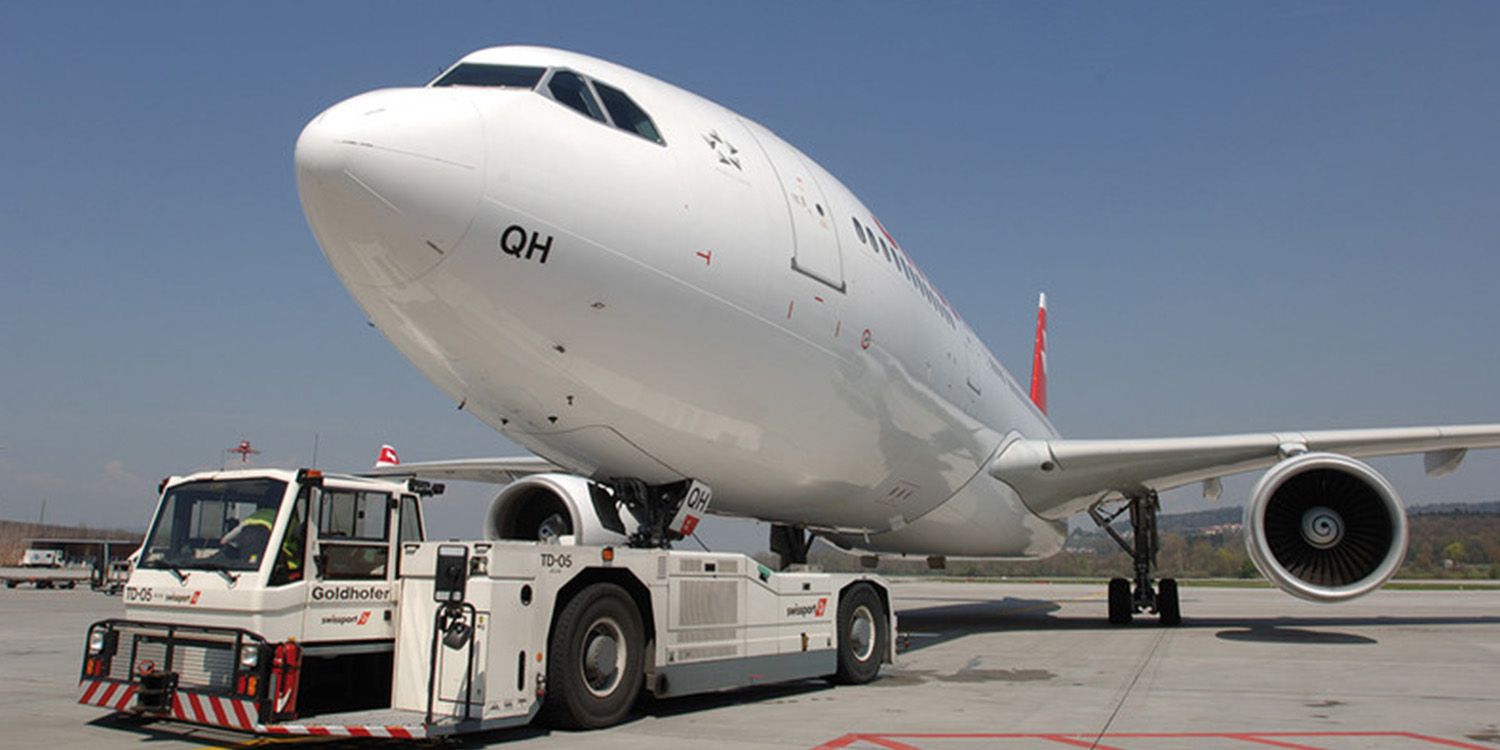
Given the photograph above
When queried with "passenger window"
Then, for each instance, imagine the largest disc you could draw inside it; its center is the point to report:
(353, 534)
(626, 114)
(507, 76)
(570, 89)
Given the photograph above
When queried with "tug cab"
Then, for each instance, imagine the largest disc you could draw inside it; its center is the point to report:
(243, 568)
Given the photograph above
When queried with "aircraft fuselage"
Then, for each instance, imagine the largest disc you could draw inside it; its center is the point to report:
(709, 303)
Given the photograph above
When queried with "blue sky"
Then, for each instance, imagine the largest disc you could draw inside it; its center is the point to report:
(1247, 216)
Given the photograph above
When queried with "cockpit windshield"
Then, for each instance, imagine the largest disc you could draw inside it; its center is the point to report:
(214, 525)
(566, 87)
(477, 74)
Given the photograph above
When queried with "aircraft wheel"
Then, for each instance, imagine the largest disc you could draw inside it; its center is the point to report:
(862, 635)
(1121, 608)
(10, 584)
(594, 670)
(1166, 602)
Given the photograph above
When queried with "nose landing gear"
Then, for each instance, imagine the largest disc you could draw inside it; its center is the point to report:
(1160, 599)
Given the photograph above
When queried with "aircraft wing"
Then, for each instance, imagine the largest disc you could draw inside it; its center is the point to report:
(491, 470)
(1060, 477)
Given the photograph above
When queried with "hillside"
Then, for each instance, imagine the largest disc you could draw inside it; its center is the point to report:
(1445, 543)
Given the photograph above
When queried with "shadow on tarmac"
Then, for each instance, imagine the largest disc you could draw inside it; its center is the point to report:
(920, 627)
(924, 627)
(653, 708)
(152, 731)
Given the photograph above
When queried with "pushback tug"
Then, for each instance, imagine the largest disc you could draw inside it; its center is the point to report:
(297, 602)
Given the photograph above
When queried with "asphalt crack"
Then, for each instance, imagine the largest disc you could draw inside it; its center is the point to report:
(1140, 669)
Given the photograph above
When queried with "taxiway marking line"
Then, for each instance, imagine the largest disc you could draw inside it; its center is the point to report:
(1274, 739)
(1258, 740)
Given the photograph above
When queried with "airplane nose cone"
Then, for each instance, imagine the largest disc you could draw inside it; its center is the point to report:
(391, 180)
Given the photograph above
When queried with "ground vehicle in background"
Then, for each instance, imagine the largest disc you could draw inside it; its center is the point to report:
(42, 558)
(282, 602)
(44, 569)
(110, 578)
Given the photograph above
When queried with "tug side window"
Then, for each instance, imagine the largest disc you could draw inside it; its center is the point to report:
(411, 520)
(411, 527)
(290, 560)
(353, 534)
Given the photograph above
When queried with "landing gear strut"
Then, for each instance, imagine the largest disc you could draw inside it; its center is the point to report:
(654, 508)
(1142, 547)
(791, 544)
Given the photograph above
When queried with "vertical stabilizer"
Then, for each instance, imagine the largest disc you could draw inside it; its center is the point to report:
(387, 457)
(1039, 358)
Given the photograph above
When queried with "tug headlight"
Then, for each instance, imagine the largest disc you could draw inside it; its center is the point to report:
(96, 642)
(249, 656)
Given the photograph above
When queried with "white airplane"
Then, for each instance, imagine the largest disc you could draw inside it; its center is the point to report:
(646, 289)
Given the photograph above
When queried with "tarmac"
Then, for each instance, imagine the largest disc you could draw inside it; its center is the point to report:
(1011, 666)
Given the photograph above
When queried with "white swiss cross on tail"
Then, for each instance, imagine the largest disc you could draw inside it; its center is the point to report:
(1039, 358)
(387, 457)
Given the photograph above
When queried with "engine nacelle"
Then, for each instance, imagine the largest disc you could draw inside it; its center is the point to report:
(1325, 527)
(557, 508)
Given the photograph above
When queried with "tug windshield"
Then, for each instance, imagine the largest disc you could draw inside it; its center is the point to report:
(214, 525)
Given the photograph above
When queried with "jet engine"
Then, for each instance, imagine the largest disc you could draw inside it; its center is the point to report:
(558, 508)
(1325, 527)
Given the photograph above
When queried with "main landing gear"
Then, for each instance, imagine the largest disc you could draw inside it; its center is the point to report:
(791, 544)
(1142, 547)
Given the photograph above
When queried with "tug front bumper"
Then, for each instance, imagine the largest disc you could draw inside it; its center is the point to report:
(224, 677)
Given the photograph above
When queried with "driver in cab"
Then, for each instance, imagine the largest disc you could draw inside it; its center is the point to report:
(247, 541)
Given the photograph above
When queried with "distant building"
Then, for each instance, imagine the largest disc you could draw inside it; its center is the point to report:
(87, 552)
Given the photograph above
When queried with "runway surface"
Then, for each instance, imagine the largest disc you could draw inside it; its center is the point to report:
(983, 665)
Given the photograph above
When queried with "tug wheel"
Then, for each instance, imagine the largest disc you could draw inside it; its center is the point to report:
(595, 666)
(863, 635)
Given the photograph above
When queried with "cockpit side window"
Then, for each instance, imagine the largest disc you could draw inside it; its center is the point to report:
(505, 76)
(570, 89)
(626, 114)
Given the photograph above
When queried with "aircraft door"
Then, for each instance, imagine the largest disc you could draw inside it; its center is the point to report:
(815, 244)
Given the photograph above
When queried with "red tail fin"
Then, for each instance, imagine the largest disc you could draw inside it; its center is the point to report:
(387, 457)
(1039, 358)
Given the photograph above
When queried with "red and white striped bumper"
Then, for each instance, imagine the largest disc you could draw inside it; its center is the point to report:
(230, 713)
(316, 730)
(106, 694)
